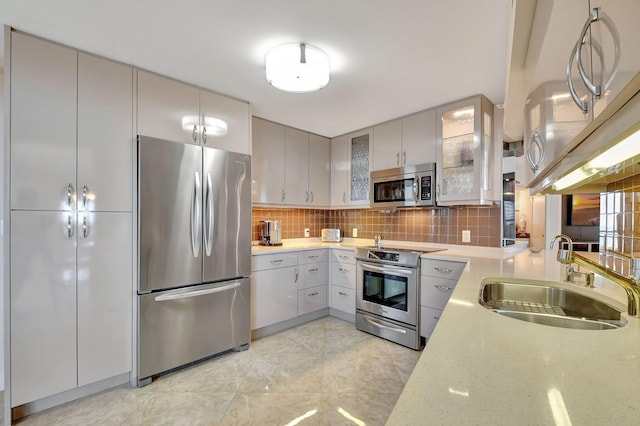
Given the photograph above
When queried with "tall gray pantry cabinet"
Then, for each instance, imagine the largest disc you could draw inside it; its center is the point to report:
(71, 236)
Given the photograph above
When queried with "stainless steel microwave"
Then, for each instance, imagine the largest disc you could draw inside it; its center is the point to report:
(408, 186)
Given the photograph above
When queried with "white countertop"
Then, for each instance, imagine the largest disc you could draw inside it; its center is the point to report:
(483, 368)
(479, 367)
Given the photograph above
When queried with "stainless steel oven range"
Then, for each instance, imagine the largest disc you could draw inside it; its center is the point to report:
(388, 294)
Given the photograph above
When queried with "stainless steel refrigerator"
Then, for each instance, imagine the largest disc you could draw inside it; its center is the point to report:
(194, 254)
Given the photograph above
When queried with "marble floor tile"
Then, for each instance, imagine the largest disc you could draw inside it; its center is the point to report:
(325, 372)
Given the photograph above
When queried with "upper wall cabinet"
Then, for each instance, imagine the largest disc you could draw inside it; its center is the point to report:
(581, 54)
(406, 141)
(464, 171)
(79, 150)
(170, 109)
(350, 168)
(290, 166)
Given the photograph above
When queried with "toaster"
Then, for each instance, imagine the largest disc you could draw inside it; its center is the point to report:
(331, 235)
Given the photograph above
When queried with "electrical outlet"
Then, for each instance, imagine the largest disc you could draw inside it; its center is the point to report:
(354, 232)
(466, 236)
(307, 234)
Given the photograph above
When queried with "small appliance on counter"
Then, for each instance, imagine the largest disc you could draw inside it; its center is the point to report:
(270, 233)
(331, 235)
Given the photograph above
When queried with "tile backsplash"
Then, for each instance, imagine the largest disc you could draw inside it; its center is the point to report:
(437, 225)
(620, 223)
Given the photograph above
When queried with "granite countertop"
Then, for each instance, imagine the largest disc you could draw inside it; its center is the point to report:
(483, 368)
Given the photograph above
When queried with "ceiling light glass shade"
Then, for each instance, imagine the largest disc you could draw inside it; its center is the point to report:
(297, 68)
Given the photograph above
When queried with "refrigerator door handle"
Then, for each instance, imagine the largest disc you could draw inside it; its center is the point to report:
(195, 293)
(208, 199)
(195, 216)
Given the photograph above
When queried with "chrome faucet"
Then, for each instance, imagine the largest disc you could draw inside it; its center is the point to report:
(378, 241)
(564, 256)
(567, 257)
(630, 284)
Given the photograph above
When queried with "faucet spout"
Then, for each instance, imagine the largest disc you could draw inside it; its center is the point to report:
(564, 256)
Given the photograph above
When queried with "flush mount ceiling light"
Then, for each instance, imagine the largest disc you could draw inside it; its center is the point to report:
(297, 68)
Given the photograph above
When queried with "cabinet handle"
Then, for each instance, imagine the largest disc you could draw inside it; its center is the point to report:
(313, 256)
(598, 15)
(443, 270)
(344, 197)
(404, 158)
(437, 190)
(343, 270)
(536, 140)
(296, 279)
(204, 134)
(282, 193)
(397, 158)
(313, 270)
(315, 293)
(275, 261)
(584, 106)
(312, 196)
(443, 288)
(194, 134)
(69, 228)
(85, 231)
(85, 193)
(342, 256)
(341, 293)
(306, 197)
(436, 318)
(69, 194)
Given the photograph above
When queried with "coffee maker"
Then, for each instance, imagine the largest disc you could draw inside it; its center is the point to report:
(270, 233)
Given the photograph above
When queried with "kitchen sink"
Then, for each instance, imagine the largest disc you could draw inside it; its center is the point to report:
(549, 305)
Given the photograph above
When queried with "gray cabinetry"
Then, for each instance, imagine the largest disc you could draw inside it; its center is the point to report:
(71, 223)
(465, 142)
(291, 167)
(406, 141)
(173, 110)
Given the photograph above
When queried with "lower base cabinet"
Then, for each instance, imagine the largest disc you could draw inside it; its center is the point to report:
(312, 299)
(437, 281)
(343, 281)
(274, 296)
(343, 299)
(70, 306)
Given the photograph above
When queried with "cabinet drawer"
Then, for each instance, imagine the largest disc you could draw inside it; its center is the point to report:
(435, 292)
(275, 260)
(312, 275)
(312, 299)
(442, 268)
(343, 299)
(312, 256)
(428, 320)
(343, 274)
(344, 256)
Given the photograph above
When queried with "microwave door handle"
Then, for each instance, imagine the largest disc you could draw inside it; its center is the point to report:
(416, 189)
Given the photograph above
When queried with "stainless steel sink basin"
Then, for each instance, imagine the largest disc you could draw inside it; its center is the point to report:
(549, 305)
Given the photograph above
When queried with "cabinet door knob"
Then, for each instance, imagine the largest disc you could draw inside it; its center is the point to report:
(194, 134)
(85, 230)
(69, 194)
(69, 228)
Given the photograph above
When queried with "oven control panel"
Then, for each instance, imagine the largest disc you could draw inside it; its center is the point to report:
(384, 255)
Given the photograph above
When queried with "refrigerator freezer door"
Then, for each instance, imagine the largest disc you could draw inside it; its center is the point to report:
(227, 215)
(181, 326)
(170, 214)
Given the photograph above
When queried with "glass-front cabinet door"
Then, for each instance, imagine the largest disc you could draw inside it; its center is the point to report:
(465, 152)
(360, 166)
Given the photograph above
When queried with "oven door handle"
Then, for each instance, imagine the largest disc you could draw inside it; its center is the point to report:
(388, 269)
(385, 327)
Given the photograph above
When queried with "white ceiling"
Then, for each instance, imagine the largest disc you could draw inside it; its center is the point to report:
(389, 58)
